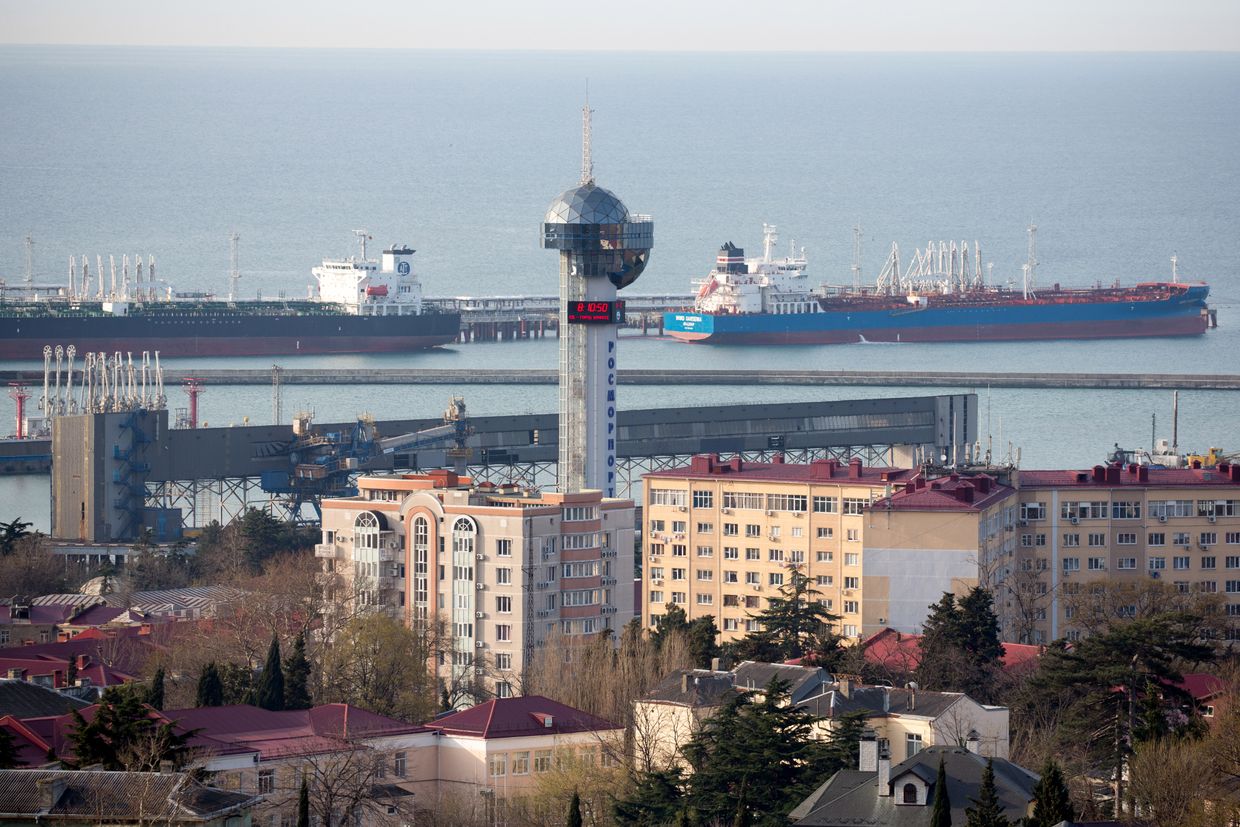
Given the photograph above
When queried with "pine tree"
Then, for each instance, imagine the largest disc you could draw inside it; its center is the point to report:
(124, 735)
(960, 648)
(210, 687)
(303, 804)
(655, 799)
(270, 691)
(792, 625)
(155, 694)
(8, 750)
(574, 811)
(1051, 801)
(988, 812)
(941, 813)
(297, 676)
(743, 818)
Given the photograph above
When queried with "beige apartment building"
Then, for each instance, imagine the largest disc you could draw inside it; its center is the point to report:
(879, 544)
(499, 568)
(1121, 524)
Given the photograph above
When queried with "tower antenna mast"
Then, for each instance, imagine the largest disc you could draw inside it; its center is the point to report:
(587, 162)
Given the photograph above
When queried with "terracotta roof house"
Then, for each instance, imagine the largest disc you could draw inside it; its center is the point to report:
(899, 653)
(122, 798)
(885, 795)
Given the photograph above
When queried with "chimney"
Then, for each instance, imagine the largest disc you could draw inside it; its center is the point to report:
(778, 459)
(911, 686)
(1143, 474)
(1100, 474)
(974, 742)
(868, 761)
(165, 767)
(83, 661)
(854, 468)
(845, 687)
(886, 699)
(884, 773)
(684, 682)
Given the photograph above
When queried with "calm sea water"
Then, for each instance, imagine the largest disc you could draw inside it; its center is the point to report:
(1121, 160)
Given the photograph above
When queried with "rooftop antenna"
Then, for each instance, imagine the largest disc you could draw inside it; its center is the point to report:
(856, 265)
(587, 162)
(1175, 272)
(234, 269)
(29, 261)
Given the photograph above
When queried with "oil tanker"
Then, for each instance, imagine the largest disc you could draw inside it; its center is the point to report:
(358, 305)
(941, 297)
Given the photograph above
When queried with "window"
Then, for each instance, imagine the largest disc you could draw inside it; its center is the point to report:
(656, 597)
(731, 553)
(743, 499)
(503, 548)
(705, 599)
(1233, 538)
(679, 526)
(380, 767)
(910, 793)
(1158, 563)
(542, 760)
(824, 580)
(1218, 508)
(1126, 510)
(850, 629)
(753, 530)
(775, 555)
(705, 528)
(850, 607)
(824, 556)
(706, 574)
(588, 568)
(503, 660)
(774, 531)
(1097, 539)
(786, 502)
(1156, 538)
(852, 558)
(678, 574)
(1072, 564)
(912, 745)
(680, 598)
(656, 573)
(753, 554)
(824, 532)
(731, 530)
(503, 577)
(731, 624)
(666, 496)
(578, 513)
(1181, 563)
(1033, 511)
(1026, 540)
(796, 557)
(520, 763)
(1208, 562)
(729, 577)
(503, 604)
(705, 551)
(855, 505)
(503, 632)
(852, 582)
(753, 578)
(1232, 587)
(703, 499)
(1183, 538)
(853, 535)
(1207, 538)
(1162, 509)
(826, 505)
(1126, 538)
(1039, 539)
(400, 762)
(266, 782)
(498, 765)
(1232, 562)
(1071, 541)
(776, 578)
(656, 549)
(797, 531)
(1097, 563)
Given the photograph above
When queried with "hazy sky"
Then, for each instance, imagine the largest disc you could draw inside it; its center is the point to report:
(711, 25)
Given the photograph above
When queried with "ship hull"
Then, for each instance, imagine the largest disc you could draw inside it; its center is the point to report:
(224, 334)
(1179, 316)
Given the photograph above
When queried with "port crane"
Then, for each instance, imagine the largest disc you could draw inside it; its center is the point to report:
(326, 463)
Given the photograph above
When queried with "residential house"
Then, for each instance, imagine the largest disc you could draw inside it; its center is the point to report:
(902, 795)
(895, 655)
(36, 798)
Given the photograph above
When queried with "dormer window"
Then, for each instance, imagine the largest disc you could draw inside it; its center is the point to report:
(909, 793)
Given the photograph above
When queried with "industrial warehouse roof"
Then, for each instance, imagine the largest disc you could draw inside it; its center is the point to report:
(524, 716)
(709, 466)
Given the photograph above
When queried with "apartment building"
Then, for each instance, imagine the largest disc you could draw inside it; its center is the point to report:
(1120, 524)
(879, 544)
(499, 568)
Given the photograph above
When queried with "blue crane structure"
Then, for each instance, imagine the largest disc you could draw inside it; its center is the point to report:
(326, 463)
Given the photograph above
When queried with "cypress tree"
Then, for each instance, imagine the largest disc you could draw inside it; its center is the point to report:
(1051, 802)
(210, 687)
(988, 812)
(303, 804)
(297, 676)
(71, 672)
(155, 694)
(574, 811)
(941, 814)
(270, 691)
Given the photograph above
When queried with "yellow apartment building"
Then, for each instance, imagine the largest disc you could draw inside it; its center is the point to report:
(1120, 524)
(720, 537)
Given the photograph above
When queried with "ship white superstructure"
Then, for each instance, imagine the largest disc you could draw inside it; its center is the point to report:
(366, 287)
(756, 285)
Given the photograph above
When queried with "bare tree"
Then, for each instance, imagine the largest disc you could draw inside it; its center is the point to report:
(1097, 606)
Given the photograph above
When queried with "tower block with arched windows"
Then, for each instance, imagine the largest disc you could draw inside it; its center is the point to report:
(496, 568)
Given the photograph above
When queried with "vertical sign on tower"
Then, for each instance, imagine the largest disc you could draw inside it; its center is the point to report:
(603, 248)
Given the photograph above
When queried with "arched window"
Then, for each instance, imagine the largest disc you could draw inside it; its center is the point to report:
(910, 793)
(366, 531)
(463, 536)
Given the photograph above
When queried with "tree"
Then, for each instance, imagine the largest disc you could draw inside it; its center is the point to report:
(792, 625)
(297, 676)
(270, 691)
(30, 569)
(379, 664)
(941, 813)
(8, 750)
(960, 648)
(1051, 802)
(303, 804)
(574, 811)
(155, 693)
(654, 801)
(238, 684)
(703, 637)
(124, 734)
(988, 812)
(11, 532)
(210, 687)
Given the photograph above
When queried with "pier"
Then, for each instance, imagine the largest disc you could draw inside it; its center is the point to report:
(846, 378)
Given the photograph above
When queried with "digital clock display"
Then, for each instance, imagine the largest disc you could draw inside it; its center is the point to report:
(596, 312)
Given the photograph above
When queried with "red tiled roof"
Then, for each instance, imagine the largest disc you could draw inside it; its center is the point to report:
(97, 616)
(948, 493)
(31, 750)
(901, 652)
(1128, 477)
(711, 467)
(1202, 686)
(513, 717)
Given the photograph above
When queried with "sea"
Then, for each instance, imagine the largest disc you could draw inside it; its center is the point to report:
(1121, 160)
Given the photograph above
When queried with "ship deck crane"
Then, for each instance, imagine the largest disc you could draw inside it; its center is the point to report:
(325, 463)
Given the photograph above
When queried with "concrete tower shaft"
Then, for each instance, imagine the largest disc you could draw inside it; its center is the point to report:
(602, 249)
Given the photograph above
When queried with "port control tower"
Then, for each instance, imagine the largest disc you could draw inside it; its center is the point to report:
(603, 248)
